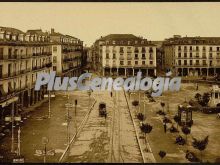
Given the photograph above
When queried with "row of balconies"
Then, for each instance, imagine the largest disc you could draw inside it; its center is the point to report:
(131, 65)
(197, 50)
(17, 73)
(199, 57)
(122, 51)
(16, 57)
(130, 58)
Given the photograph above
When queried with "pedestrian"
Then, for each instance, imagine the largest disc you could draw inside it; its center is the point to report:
(165, 127)
(111, 93)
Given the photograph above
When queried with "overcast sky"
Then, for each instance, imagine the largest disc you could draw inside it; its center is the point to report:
(89, 21)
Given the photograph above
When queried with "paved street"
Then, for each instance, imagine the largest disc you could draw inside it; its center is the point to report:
(110, 140)
(116, 138)
(55, 129)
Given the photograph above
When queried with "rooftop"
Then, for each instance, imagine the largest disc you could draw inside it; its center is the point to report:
(12, 30)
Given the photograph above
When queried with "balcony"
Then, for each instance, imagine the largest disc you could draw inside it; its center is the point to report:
(12, 57)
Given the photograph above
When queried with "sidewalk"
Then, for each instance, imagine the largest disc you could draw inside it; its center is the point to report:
(37, 126)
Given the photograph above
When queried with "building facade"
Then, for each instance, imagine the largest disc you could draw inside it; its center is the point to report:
(192, 56)
(124, 55)
(67, 54)
(22, 56)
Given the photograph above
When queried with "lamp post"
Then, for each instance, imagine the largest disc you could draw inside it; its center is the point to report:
(11, 119)
(45, 141)
(49, 97)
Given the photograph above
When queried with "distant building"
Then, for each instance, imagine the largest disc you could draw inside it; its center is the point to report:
(192, 56)
(67, 52)
(124, 55)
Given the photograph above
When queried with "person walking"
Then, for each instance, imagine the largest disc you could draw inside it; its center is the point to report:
(165, 127)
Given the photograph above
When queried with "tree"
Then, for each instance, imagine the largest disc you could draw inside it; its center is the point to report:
(162, 154)
(140, 116)
(162, 105)
(135, 103)
(200, 144)
(198, 97)
(146, 128)
(205, 99)
(186, 130)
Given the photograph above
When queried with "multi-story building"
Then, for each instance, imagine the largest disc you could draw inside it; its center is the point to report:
(124, 55)
(22, 56)
(67, 54)
(192, 56)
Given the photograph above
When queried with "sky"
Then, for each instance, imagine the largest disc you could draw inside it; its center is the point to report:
(89, 21)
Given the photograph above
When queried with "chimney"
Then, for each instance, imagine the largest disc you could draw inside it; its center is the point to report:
(52, 30)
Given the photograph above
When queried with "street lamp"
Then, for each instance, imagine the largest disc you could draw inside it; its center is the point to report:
(45, 141)
(49, 96)
(11, 119)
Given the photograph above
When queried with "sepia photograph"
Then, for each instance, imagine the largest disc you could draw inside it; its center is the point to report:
(109, 82)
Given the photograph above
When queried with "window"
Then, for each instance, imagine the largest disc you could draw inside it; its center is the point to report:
(151, 62)
(190, 54)
(136, 56)
(1, 53)
(179, 47)
(107, 55)
(54, 59)
(121, 50)
(54, 68)
(190, 62)
(210, 55)
(197, 54)
(136, 62)
(185, 54)
(179, 54)
(197, 62)
(143, 56)
(143, 62)
(203, 48)
(185, 62)
(121, 62)
(114, 56)
(210, 48)
(54, 49)
(204, 62)
(197, 48)
(129, 62)
(179, 62)
(218, 48)
(190, 48)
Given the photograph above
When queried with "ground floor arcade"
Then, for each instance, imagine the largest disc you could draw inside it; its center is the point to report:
(126, 72)
(197, 71)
